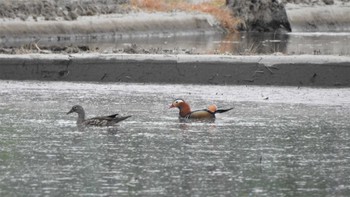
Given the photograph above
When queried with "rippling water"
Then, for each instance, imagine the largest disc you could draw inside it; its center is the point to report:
(278, 141)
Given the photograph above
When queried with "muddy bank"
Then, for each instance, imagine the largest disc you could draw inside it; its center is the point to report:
(303, 70)
(49, 17)
(52, 10)
(110, 26)
(328, 18)
(80, 20)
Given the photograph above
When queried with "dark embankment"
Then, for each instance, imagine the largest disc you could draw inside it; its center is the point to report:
(198, 69)
(292, 15)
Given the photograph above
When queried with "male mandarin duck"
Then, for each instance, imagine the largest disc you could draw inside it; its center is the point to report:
(204, 114)
(96, 121)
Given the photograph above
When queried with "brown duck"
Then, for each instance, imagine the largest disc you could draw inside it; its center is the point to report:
(96, 121)
(204, 114)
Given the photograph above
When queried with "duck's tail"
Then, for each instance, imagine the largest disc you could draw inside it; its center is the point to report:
(223, 110)
(121, 118)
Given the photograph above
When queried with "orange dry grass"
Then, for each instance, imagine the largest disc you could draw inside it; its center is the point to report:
(214, 7)
(153, 5)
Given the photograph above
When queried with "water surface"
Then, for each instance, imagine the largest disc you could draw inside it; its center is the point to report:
(237, 44)
(278, 141)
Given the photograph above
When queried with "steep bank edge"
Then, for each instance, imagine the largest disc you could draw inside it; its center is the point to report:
(185, 69)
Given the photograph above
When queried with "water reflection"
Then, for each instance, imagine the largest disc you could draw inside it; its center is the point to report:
(294, 144)
(237, 44)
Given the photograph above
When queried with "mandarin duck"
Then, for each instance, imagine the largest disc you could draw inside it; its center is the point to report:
(96, 121)
(204, 114)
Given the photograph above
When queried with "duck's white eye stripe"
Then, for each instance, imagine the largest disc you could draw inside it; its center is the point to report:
(179, 101)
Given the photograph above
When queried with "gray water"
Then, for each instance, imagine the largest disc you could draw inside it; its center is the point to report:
(278, 141)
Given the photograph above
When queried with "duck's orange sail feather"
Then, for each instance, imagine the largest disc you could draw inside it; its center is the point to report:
(212, 108)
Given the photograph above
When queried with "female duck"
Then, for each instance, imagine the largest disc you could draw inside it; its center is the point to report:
(96, 121)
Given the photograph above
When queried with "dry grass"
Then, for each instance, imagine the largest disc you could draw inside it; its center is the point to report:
(214, 7)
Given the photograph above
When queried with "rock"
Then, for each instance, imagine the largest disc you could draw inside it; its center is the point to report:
(6, 51)
(130, 48)
(271, 15)
(328, 2)
(262, 16)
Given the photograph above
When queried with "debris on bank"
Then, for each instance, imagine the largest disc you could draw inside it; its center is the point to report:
(34, 48)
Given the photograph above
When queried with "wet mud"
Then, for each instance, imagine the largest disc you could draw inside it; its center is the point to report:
(180, 69)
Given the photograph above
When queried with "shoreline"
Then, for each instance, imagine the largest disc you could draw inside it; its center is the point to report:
(136, 24)
(300, 70)
(66, 65)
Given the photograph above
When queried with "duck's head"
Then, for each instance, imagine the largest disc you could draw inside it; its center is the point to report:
(177, 103)
(77, 109)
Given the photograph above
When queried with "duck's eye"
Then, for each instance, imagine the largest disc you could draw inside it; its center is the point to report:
(176, 101)
(75, 108)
